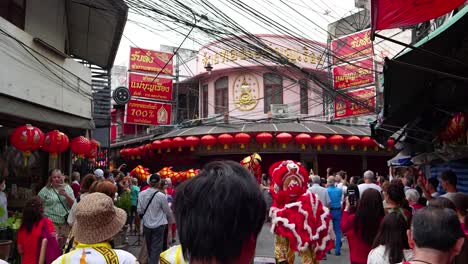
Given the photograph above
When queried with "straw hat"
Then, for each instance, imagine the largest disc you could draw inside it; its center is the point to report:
(97, 219)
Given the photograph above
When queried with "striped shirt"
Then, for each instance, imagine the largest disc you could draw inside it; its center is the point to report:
(158, 211)
(53, 207)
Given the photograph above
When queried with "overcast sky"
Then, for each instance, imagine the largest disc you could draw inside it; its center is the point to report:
(312, 23)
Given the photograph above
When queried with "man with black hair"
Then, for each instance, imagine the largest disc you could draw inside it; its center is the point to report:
(219, 214)
(436, 235)
(153, 209)
(448, 180)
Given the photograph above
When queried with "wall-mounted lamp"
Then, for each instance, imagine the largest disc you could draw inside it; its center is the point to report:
(208, 68)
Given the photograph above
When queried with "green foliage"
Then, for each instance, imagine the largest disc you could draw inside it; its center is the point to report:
(13, 222)
(124, 201)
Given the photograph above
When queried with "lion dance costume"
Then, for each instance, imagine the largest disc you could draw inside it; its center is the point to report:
(299, 220)
(252, 163)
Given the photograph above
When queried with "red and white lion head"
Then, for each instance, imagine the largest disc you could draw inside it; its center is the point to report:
(289, 181)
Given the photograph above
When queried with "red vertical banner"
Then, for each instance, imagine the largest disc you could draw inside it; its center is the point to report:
(355, 74)
(351, 47)
(151, 61)
(147, 113)
(150, 87)
(347, 108)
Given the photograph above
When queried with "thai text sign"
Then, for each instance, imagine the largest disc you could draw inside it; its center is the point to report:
(150, 61)
(346, 108)
(147, 113)
(356, 74)
(351, 47)
(150, 87)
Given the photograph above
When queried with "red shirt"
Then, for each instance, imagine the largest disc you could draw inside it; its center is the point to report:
(76, 188)
(30, 241)
(358, 249)
(170, 191)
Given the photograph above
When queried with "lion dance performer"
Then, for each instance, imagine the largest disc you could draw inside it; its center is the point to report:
(299, 220)
(252, 163)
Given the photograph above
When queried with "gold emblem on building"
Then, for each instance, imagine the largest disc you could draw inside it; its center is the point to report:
(162, 116)
(246, 92)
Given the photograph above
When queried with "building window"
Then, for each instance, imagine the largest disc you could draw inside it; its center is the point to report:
(272, 90)
(205, 100)
(13, 11)
(304, 97)
(221, 95)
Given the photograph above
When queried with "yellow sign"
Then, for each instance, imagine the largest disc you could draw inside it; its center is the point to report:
(246, 92)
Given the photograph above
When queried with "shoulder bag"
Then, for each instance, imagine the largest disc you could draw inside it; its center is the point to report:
(147, 206)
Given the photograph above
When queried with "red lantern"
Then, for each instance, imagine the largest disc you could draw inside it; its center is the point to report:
(55, 142)
(366, 142)
(242, 139)
(303, 140)
(124, 153)
(149, 148)
(157, 145)
(166, 144)
(178, 142)
(456, 126)
(142, 150)
(352, 141)
(27, 138)
(336, 140)
(80, 146)
(264, 138)
(226, 140)
(319, 141)
(192, 142)
(209, 141)
(284, 139)
(93, 150)
(390, 144)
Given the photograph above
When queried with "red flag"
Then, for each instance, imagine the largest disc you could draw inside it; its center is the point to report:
(387, 14)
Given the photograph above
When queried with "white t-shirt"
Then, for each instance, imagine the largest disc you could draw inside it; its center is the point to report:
(450, 196)
(94, 257)
(378, 256)
(364, 186)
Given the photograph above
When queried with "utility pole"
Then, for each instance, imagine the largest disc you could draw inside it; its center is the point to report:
(176, 107)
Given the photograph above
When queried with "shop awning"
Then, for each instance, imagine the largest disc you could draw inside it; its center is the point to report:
(422, 85)
(308, 127)
(400, 160)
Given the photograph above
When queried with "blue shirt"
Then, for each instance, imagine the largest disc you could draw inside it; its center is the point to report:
(335, 197)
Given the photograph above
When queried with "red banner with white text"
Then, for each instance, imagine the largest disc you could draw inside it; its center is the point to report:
(351, 47)
(150, 87)
(147, 113)
(346, 108)
(355, 74)
(151, 61)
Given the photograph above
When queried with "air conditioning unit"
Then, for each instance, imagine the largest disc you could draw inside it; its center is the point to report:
(279, 110)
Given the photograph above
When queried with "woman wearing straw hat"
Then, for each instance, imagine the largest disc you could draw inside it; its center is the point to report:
(97, 222)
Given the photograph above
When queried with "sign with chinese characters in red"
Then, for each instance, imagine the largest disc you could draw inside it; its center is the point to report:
(346, 108)
(150, 87)
(147, 113)
(150, 61)
(351, 47)
(355, 74)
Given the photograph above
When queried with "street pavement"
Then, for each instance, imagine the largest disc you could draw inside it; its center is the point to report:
(265, 248)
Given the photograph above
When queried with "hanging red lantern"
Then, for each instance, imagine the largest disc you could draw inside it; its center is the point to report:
(303, 139)
(93, 150)
(284, 139)
(157, 145)
(336, 140)
(367, 142)
(319, 141)
(55, 142)
(352, 141)
(166, 144)
(264, 138)
(390, 144)
(209, 141)
(80, 146)
(242, 139)
(27, 138)
(226, 140)
(192, 142)
(148, 148)
(124, 153)
(142, 150)
(456, 126)
(178, 143)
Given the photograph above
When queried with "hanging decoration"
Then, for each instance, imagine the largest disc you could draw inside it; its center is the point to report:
(124, 153)
(209, 141)
(319, 141)
(157, 145)
(303, 139)
(192, 142)
(166, 144)
(366, 142)
(242, 139)
(456, 127)
(390, 144)
(141, 173)
(284, 139)
(149, 149)
(55, 142)
(336, 141)
(352, 142)
(177, 176)
(264, 138)
(226, 140)
(142, 151)
(178, 143)
(80, 146)
(27, 138)
(93, 150)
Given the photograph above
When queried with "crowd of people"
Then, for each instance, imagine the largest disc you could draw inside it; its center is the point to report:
(220, 213)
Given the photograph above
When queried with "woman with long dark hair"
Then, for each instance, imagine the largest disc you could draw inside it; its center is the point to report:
(391, 244)
(361, 227)
(30, 230)
(395, 200)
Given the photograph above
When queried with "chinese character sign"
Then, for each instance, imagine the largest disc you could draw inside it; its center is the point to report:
(351, 47)
(150, 61)
(347, 108)
(147, 113)
(355, 74)
(150, 87)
